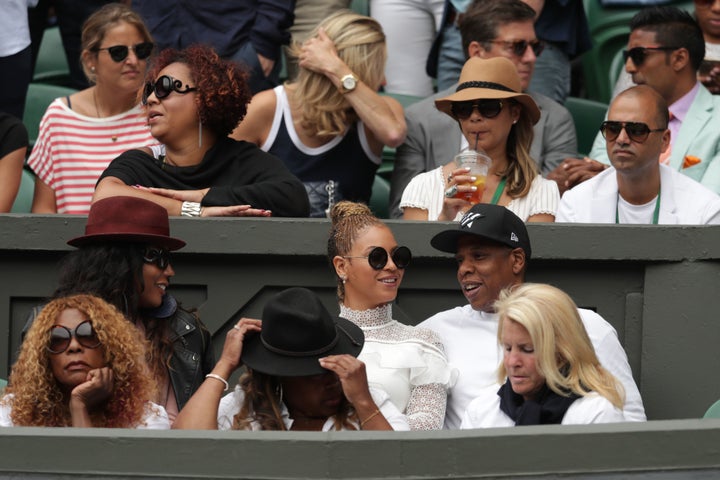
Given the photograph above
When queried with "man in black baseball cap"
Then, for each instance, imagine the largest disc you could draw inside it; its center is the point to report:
(492, 248)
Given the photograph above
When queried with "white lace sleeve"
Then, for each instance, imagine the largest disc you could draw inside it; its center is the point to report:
(426, 408)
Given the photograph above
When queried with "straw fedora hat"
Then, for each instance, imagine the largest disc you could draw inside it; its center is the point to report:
(127, 219)
(297, 330)
(488, 79)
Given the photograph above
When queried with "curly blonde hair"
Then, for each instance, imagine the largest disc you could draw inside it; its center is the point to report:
(349, 220)
(563, 351)
(262, 404)
(360, 43)
(37, 397)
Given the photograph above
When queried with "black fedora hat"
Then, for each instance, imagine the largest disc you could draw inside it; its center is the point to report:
(297, 330)
(127, 219)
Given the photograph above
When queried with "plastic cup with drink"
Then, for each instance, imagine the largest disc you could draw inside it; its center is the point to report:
(478, 162)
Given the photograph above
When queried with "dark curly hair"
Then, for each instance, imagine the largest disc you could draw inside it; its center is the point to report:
(114, 272)
(222, 85)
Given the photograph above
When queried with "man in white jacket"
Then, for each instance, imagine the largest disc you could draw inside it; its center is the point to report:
(492, 248)
(637, 188)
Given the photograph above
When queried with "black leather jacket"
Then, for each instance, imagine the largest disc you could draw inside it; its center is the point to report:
(192, 357)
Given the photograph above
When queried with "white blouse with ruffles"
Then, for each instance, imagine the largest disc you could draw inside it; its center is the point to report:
(426, 191)
(407, 362)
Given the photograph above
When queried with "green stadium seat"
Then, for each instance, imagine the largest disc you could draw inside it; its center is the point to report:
(587, 115)
(713, 411)
(360, 6)
(380, 198)
(23, 201)
(51, 66)
(39, 96)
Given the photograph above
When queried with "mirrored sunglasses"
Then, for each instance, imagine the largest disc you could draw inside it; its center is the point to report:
(60, 337)
(637, 132)
(519, 47)
(486, 108)
(120, 52)
(639, 54)
(158, 257)
(378, 257)
(163, 87)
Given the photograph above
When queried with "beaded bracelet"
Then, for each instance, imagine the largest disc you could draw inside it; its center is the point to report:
(373, 415)
(227, 385)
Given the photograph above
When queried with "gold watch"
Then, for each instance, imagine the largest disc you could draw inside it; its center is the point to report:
(349, 83)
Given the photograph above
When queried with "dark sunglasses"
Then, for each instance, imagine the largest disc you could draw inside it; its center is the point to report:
(120, 52)
(163, 87)
(378, 257)
(158, 257)
(639, 54)
(638, 132)
(486, 108)
(520, 46)
(60, 337)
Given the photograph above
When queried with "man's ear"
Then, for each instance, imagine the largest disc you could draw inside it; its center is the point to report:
(475, 49)
(679, 59)
(518, 261)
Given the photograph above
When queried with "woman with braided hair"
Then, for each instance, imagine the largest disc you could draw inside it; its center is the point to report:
(409, 363)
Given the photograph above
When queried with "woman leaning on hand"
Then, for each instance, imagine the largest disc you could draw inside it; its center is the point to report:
(81, 366)
(82, 133)
(302, 374)
(193, 100)
(549, 372)
(330, 124)
(495, 116)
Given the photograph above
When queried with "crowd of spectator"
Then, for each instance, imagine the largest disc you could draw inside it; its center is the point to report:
(192, 122)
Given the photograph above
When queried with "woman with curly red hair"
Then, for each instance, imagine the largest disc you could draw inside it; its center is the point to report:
(193, 100)
(81, 366)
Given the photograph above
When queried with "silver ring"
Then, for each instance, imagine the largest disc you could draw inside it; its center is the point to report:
(450, 192)
(236, 327)
(450, 177)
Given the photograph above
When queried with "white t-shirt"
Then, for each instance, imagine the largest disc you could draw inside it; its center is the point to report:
(154, 418)
(470, 340)
(484, 411)
(231, 404)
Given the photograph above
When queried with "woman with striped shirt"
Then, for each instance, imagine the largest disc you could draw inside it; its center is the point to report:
(80, 134)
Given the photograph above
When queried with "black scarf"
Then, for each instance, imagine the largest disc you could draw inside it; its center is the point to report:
(547, 408)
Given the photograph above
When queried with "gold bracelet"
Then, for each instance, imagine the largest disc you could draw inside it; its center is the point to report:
(373, 415)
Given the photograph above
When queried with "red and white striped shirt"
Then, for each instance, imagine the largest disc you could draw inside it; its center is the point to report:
(72, 151)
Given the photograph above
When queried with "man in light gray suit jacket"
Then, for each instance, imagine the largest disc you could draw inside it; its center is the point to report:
(489, 28)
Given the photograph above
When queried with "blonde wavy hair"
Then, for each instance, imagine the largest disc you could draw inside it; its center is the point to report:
(360, 43)
(262, 404)
(563, 351)
(349, 220)
(39, 400)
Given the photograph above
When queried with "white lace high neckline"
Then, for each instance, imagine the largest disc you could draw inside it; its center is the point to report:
(371, 318)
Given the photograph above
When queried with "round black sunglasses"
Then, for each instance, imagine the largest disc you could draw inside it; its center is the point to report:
(378, 257)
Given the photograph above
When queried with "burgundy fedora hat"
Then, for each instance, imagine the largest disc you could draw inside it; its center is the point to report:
(127, 219)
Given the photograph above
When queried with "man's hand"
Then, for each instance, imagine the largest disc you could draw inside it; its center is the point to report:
(573, 171)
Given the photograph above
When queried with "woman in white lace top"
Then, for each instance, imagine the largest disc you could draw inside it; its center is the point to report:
(409, 363)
